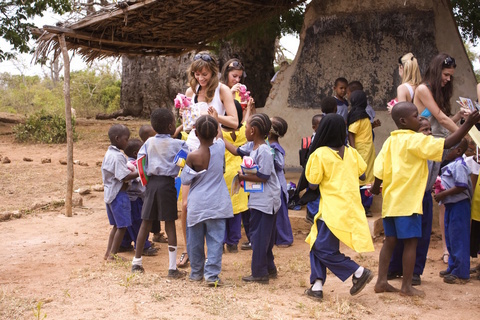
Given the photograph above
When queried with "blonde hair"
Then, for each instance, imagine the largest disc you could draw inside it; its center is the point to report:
(203, 60)
(411, 71)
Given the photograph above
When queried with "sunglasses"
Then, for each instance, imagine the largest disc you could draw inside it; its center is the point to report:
(449, 62)
(400, 60)
(205, 57)
(235, 64)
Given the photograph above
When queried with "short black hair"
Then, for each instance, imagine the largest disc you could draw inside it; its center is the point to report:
(402, 110)
(328, 105)
(161, 118)
(262, 122)
(354, 86)
(145, 132)
(133, 145)
(316, 119)
(342, 80)
(279, 126)
(117, 130)
(206, 127)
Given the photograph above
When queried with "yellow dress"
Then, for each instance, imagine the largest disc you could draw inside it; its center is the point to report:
(340, 203)
(364, 145)
(232, 166)
(476, 203)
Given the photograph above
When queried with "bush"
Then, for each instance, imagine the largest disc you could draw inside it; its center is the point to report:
(43, 127)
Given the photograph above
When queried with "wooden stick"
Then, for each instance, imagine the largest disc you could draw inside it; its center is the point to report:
(68, 120)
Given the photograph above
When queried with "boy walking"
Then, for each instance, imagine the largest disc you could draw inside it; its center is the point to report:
(402, 166)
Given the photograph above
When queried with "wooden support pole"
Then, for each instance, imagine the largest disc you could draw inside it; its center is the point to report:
(68, 119)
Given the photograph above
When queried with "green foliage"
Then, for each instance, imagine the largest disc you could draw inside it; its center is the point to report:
(14, 15)
(92, 91)
(37, 311)
(472, 56)
(467, 15)
(43, 127)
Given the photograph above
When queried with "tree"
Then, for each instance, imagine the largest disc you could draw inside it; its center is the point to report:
(14, 25)
(467, 15)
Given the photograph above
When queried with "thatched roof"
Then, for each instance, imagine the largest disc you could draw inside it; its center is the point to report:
(156, 27)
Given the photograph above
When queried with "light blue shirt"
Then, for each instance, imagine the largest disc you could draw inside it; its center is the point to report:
(160, 151)
(457, 174)
(114, 170)
(208, 197)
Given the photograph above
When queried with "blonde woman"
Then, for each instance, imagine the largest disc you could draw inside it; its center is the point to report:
(410, 73)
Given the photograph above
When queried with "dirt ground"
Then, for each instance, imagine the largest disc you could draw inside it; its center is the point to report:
(53, 265)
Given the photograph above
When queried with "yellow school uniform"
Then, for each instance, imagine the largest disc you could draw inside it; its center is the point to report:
(232, 166)
(340, 203)
(476, 203)
(402, 165)
(364, 145)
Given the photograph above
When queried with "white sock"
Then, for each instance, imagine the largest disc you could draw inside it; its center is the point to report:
(359, 272)
(172, 257)
(317, 286)
(137, 261)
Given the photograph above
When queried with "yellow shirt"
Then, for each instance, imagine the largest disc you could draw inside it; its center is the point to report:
(476, 203)
(364, 145)
(232, 166)
(340, 203)
(402, 165)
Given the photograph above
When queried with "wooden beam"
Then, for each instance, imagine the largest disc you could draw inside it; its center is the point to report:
(68, 120)
(84, 36)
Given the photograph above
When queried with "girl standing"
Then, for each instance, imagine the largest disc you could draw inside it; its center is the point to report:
(283, 235)
(336, 167)
(203, 172)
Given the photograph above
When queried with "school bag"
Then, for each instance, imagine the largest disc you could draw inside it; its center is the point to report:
(303, 152)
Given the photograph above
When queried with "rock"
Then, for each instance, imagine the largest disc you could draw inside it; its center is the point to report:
(46, 160)
(6, 160)
(64, 162)
(83, 190)
(27, 159)
(5, 216)
(98, 187)
(77, 201)
(127, 118)
(81, 163)
(98, 163)
(11, 118)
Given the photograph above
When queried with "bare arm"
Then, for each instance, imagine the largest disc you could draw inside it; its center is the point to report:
(250, 177)
(231, 148)
(130, 176)
(177, 131)
(403, 94)
(456, 136)
(230, 119)
(250, 109)
(424, 98)
(375, 188)
(351, 139)
(449, 192)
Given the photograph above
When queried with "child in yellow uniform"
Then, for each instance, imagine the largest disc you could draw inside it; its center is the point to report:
(361, 138)
(402, 166)
(336, 168)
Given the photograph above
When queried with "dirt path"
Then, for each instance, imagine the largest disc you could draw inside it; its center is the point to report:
(56, 262)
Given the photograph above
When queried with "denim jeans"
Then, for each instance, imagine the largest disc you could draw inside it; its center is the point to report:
(213, 231)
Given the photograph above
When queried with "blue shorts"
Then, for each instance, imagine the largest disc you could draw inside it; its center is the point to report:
(403, 227)
(119, 211)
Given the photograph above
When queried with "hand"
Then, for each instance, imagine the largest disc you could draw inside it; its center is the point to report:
(251, 104)
(376, 123)
(464, 112)
(439, 196)
(236, 87)
(390, 105)
(473, 118)
(211, 111)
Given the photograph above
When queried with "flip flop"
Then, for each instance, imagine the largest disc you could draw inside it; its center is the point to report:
(183, 261)
(445, 258)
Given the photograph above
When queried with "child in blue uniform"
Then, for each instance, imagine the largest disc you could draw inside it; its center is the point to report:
(340, 90)
(283, 234)
(206, 219)
(115, 174)
(456, 197)
(160, 195)
(263, 205)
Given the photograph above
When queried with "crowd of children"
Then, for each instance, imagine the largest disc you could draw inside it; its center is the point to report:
(341, 173)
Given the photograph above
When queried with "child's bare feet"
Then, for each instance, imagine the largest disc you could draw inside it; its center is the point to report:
(384, 287)
(412, 292)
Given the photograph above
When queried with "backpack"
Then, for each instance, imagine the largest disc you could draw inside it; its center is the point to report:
(305, 144)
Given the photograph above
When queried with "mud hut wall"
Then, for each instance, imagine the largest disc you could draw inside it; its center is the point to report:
(361, 40)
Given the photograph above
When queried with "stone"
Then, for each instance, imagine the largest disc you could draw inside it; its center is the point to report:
(98, 187)
(84, 190)
(27, 159)
(64, 162)
(6, 160)
(77, 201)
(46, 160)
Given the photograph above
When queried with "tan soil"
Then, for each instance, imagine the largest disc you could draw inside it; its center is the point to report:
(55, 263)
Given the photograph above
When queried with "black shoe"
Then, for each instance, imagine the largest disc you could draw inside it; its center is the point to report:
(309, 218)
(232, 248)
(453, 279)
(176, 274)
(272, 273)
(137, 268)
(444, 273)
(246, 246)
(251, 278)
(394, 275)
(368, 213)
(317, 295)
(416, 280)
(214, 282)
(149, 252)
(360, 283)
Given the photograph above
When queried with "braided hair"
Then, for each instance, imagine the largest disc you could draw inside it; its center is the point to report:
(279, 126)
(206, 127)
(262, 122)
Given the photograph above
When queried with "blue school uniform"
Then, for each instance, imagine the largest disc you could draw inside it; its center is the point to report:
(342, 108)
(208, 207)
(457, 217)
(284, 234)
(263, 208)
